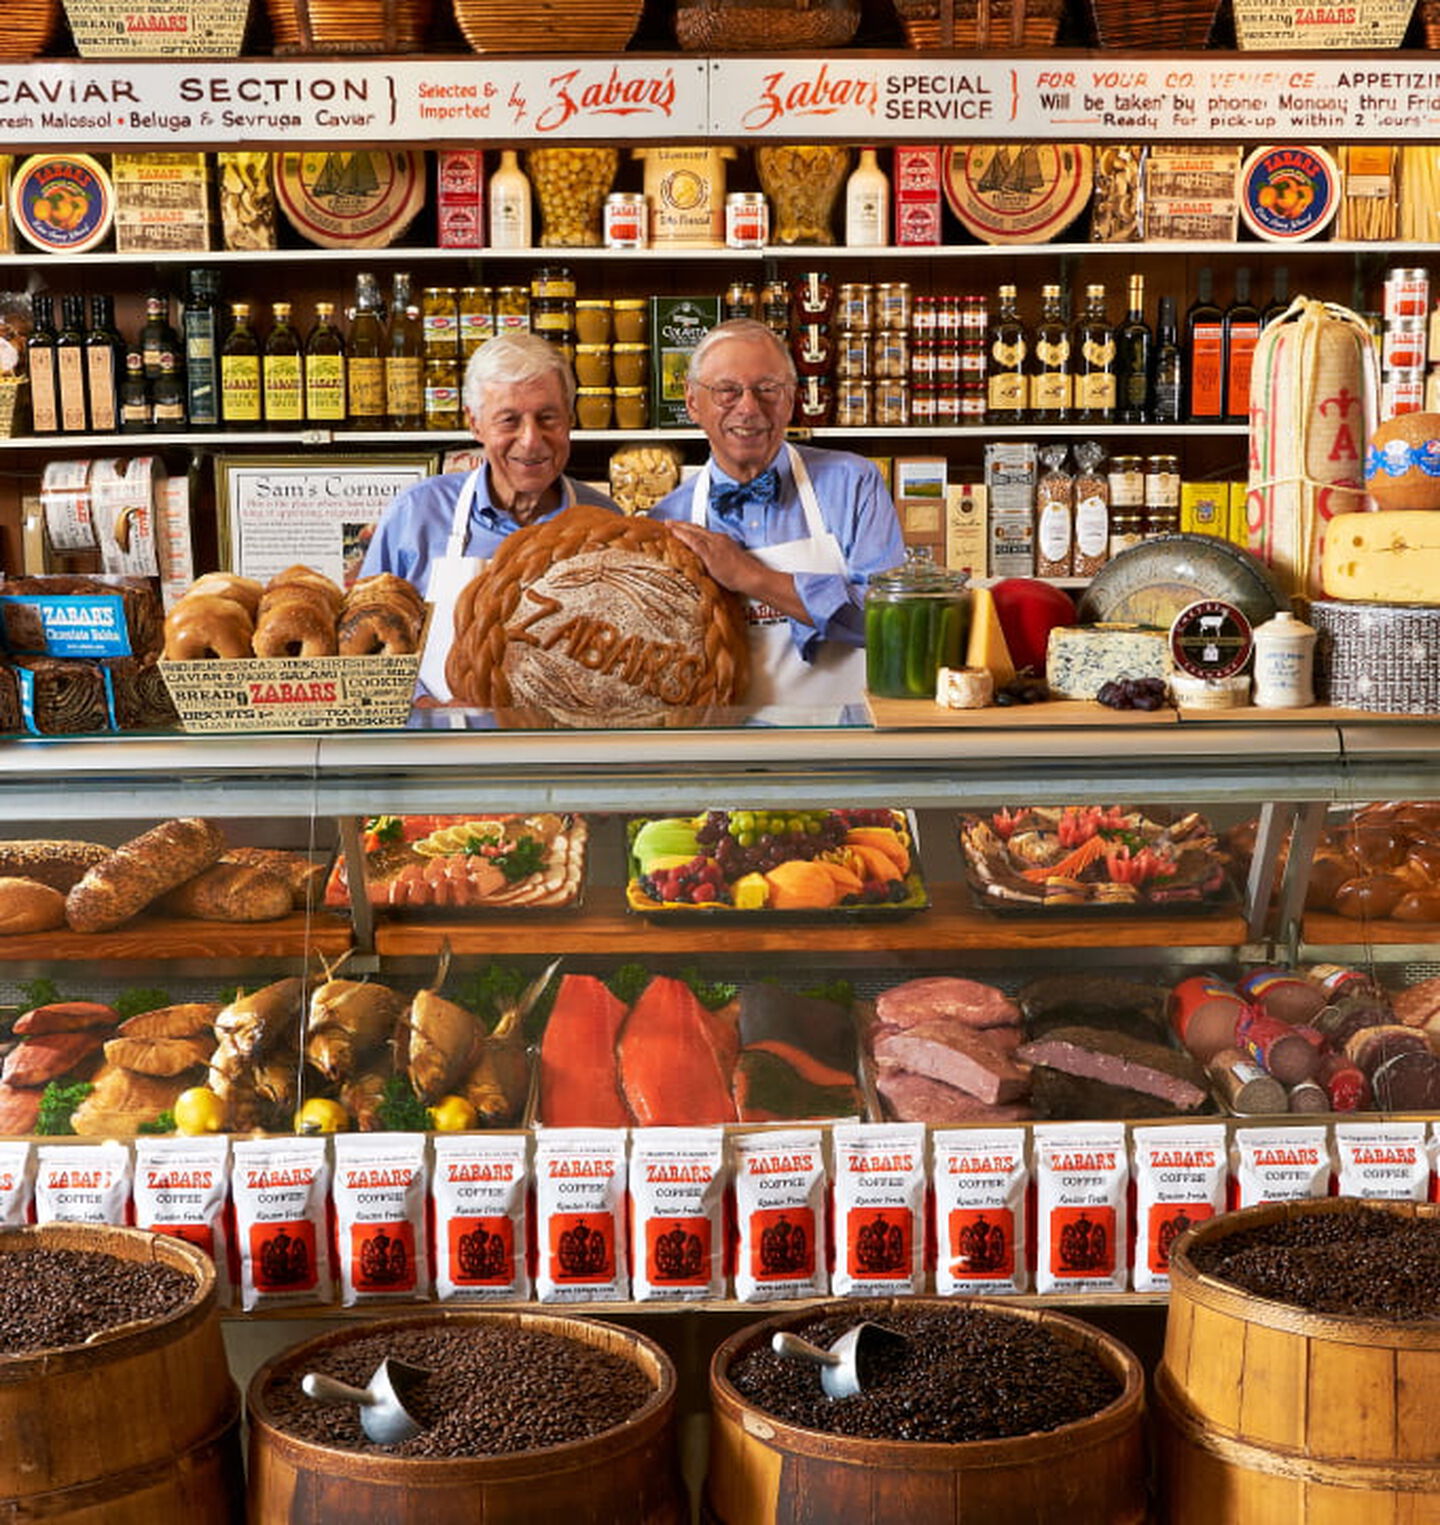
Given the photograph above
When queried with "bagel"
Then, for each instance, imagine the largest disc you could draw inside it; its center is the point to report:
(244, 590)
(295, 627)
(303, 591)
(377, 629)
(204, 626)
(386, 587)
(307, 577)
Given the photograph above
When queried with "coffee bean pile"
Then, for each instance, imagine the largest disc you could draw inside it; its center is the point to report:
(50, 1298)
(492, 1390)
(1364, 1263)
(965, 1374)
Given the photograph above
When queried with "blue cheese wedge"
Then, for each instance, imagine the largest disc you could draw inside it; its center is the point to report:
(1081, 659)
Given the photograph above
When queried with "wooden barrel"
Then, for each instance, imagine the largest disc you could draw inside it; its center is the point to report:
(763, 1471)
(140, 1424)
(628, 1473)
(1266, 1412)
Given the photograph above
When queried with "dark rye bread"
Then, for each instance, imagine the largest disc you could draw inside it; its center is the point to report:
(1116, 1059)
(1058, 1097)
(1092, 1000)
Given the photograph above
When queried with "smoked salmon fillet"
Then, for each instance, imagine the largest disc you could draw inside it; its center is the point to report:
(579, 1081)
(674, 1064)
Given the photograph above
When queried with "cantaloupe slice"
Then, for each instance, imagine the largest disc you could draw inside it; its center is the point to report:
(884, 838)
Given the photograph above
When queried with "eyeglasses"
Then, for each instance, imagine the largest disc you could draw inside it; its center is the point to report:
(728, 393)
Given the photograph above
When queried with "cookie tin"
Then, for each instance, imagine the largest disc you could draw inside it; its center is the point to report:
(1210, 639)
(1289, 193)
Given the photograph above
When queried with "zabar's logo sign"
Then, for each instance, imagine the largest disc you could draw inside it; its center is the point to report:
(619, 94)
(312, 691)
(820, 94)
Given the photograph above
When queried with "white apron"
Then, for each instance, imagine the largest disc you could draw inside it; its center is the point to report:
(780, 679)
(450, 575)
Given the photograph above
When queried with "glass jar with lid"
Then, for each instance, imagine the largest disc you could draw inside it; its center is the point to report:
(917, 619)
(630, 319)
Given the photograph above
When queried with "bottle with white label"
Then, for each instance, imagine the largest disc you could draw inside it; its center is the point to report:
(510, 204)
(867, 203)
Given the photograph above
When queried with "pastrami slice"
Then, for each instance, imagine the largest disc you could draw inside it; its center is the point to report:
(952, 1053)
(1118, 1060)
(945, 997)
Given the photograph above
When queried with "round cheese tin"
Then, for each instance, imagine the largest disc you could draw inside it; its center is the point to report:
(1210, 639)
(62, 203)
(1289, 193)
(362, 198)
(1017, 193)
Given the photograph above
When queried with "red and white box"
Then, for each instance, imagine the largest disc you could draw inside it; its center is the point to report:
(916, 180)
(460, 198)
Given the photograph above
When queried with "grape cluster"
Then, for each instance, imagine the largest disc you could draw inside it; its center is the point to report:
(1023, 689)
(1133, 693)
(752, 841)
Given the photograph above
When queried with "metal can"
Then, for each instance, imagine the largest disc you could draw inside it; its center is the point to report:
(1407, 293)
(892, 403)
(747, 220)
(855, 305)
(627, 221)
(1402, 392)
(852, 355)
(1403, 344)
(892, 304)
(853, 402)
(890, 354)
(553, 281)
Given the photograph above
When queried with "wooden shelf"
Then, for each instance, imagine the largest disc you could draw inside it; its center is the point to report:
(604, 927)
(1319, 928)
(150, 938)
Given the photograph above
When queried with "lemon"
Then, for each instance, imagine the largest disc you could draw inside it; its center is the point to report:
(321, 1115)
(452, 1114)
(199, 1110)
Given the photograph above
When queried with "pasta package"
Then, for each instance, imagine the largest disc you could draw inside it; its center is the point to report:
(1368, 203)
(1420, 192)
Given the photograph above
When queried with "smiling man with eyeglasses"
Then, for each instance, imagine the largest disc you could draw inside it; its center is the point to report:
(796, 531)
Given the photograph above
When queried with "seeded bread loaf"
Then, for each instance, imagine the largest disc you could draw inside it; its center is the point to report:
(140, 871)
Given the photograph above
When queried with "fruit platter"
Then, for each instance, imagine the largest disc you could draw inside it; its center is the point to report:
(476, 862)
(1088, 859)
(793, 863)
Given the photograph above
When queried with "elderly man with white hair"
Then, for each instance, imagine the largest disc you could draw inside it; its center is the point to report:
(796, 531)
(518, 395)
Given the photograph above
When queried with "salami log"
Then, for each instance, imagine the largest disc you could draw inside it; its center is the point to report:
(140, 871)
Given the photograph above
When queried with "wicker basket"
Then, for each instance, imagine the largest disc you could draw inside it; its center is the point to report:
(29, 28)
(349, 26)
(549, 26)
(977, 25)
(764, 26)
(1430, 22)
(1261, 25)
(1175, 24)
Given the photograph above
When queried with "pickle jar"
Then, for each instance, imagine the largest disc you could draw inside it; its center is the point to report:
(917, 619)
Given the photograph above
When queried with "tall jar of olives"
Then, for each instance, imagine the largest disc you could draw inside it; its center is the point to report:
(917, 619)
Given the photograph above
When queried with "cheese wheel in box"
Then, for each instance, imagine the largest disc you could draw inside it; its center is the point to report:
(1313, 394)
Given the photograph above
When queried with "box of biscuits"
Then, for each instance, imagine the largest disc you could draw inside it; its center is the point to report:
(297, 653)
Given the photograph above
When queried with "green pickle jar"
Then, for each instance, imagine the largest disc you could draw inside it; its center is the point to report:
(917, 620)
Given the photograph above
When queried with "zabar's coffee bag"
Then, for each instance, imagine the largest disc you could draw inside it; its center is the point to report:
(479, 1189)
(182, 1187)
(677, 1238)
(1388, 1159)
(780, 1181)
(281, 1188)
(17, 1182)
(879, 1200)
(83, 1183)
(1180, 1180)
(1082, 1176)
(979, 1177)
(1278, 1165)
(580, 1183)
(379, 1197)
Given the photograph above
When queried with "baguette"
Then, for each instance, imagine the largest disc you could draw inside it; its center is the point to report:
(140, 871)
(26, 905)
(231, 892)
(60, 864)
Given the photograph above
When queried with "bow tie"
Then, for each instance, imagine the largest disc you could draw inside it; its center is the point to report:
(764, 490)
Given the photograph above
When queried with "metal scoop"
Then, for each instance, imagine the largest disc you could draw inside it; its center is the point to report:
(383, 1415)
(842, 1366)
